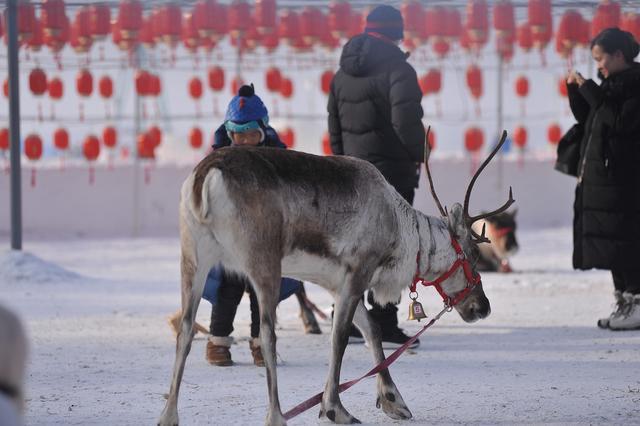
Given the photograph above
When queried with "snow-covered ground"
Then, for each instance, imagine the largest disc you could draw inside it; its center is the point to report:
(102, 353)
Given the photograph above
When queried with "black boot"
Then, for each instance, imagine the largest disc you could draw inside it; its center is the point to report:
(387, 319)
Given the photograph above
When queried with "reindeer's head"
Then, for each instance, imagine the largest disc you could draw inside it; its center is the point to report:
(464, 286)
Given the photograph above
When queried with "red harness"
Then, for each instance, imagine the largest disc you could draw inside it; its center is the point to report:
(472, 279)
(501, 232)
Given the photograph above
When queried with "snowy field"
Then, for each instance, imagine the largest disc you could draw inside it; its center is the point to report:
(102, 352)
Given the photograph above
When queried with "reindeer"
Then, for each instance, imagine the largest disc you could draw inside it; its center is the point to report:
(501, 230)
(334, 221)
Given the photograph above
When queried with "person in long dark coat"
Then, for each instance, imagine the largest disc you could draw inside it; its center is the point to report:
(375, 115)
(607, 196)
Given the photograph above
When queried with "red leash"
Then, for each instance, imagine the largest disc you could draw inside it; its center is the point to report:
(316, 399)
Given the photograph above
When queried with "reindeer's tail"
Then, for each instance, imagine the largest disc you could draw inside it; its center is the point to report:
(196, 192)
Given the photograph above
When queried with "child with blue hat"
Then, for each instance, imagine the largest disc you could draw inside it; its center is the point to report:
(246, 123)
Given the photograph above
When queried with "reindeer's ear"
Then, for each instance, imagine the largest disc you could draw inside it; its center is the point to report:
(457, 226)
(513, 213)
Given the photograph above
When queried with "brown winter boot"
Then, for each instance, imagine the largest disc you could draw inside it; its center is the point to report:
(256, 352)
(218, 351)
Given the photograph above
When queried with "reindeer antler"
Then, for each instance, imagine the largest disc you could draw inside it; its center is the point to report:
(443, 212)
(471, 219)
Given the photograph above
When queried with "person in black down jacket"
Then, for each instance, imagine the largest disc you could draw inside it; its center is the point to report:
(375, 115)
(607, 202)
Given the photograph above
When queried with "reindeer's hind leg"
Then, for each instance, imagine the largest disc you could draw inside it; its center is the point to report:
(193, 275)
(266, 283)
(332, 408)
(308, 318)
(389, 397)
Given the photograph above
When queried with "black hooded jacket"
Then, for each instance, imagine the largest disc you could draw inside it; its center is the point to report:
(607, 203)
(375, 112)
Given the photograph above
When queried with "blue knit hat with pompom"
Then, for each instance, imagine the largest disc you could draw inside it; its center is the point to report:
(246, 112)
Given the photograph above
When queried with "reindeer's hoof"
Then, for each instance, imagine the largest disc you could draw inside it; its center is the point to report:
(339, 415)
(393, 407)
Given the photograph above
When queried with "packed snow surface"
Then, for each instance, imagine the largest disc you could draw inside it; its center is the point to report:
(102, 352)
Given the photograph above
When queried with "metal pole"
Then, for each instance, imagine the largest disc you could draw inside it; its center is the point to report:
(136, 159)
(500, 122)
(14, 125)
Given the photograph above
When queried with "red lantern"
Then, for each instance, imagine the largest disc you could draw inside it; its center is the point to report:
(37, 37)
(56, 88)
(109, 137)
(265, 16)
(474, 81)
(520, 137)
(554, 133)
(170, 23)
(33, 151)
(195, 88)
(503, 19)
(473, 139)
(568, 34)
(477, 23)
(129, 20)
(204, 17)
(270, 41)
(562, 87)
(52, 16)
(4, 139)
(441, 47)
(146, 147)
(326, 144)
(81, 35)
(5, 88)
(525, 39)
(631, 22)
(339, 17)
(541, 22)
(105, 86)
(26, 21)
(37, 81)
(155, 85)
(143, 83)
(288, 137)
(325, 81)
(155, 136)
(413, 17)
(84, 83)
(273, 79)
(239, 17)
(91, 148)
(195, 138)
(33, 147)
(236, 83)
(522, 86)
(434, 81)
(100, 20)
(289, 28)
(216, 78)
(607, 15)
(61, 139)
(286, 88)
(310, 22)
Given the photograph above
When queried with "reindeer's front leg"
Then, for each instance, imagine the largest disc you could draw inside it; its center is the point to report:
(331, 407)
(192, 283)
(389, 397)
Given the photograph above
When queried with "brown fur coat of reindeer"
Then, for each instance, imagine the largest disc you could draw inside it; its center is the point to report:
(333, 221)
